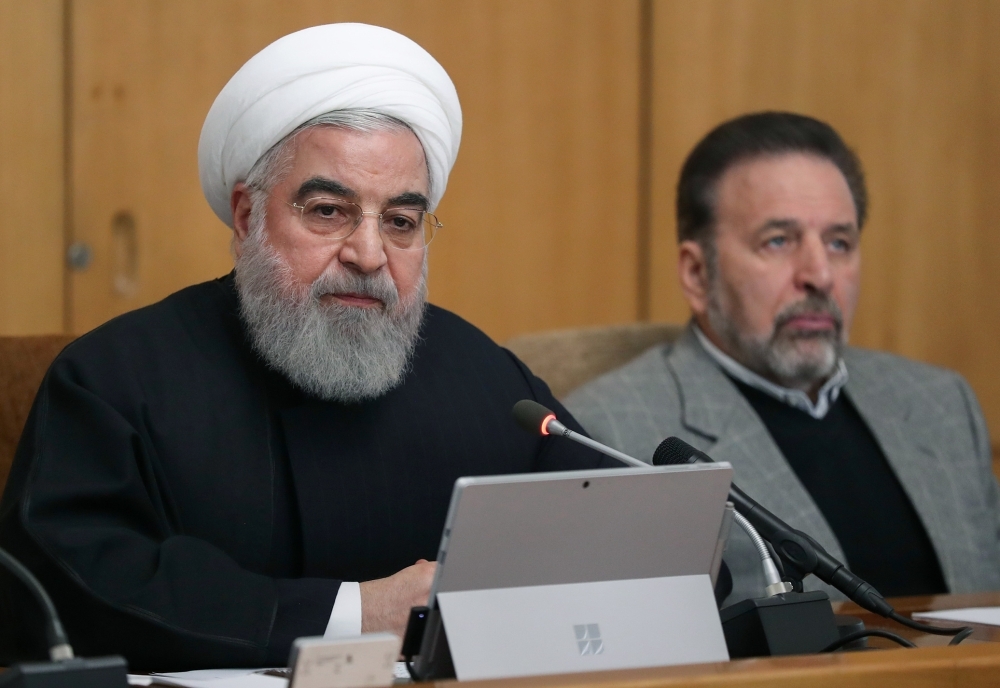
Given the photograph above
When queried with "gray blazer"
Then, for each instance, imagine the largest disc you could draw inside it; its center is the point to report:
(926, 420)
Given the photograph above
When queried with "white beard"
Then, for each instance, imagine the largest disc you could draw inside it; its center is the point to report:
(335, 352)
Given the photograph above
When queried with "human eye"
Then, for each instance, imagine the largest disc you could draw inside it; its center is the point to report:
(328, 216)
(401, 220)
(776, 241)
(325, 208)
(842, 243)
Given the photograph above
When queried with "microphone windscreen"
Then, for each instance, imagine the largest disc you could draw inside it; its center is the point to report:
(530, 414)
(674, 450)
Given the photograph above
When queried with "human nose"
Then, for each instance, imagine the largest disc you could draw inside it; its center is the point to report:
(364, 249)
(813, 271)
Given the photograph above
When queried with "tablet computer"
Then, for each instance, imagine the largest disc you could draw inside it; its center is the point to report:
(582, 526)
(578, 571)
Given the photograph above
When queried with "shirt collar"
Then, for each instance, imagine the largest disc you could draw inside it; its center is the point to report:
(796, 398)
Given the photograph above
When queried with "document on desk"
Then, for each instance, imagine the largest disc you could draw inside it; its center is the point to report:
(231, 678)
(211, 678)
(987, 616)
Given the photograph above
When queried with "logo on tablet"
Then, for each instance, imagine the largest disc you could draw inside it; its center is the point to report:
(588, 639)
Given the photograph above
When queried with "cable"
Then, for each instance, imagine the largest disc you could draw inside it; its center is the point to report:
(802, 553)
(59, 647)
(778, 561)
(927, 628)
(867, 633)
(959, 637)
(410, 669)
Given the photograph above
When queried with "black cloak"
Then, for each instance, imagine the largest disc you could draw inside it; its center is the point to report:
(187, 507)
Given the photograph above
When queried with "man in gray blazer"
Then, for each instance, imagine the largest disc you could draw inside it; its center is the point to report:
(884, 461)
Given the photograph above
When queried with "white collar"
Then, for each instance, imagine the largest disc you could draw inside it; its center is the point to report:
(796, 398)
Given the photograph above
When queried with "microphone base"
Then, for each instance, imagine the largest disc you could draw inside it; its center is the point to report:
(791, 623)
(96, 672)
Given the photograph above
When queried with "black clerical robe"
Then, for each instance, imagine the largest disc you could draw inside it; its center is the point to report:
(187, 507)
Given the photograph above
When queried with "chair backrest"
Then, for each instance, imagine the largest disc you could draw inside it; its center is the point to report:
(23, 362)
(566, 359)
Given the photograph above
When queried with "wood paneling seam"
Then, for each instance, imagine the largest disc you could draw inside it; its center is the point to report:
(67, 162)
(645, 162)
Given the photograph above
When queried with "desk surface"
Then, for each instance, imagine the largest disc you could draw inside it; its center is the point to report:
(973, 664)
(908, 605)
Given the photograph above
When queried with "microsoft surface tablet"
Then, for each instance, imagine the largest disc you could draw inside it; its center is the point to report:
(581, 526)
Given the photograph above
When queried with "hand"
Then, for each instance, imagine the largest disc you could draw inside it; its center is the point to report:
(386, 602)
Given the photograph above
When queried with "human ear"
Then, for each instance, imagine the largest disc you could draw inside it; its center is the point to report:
(240, 204)
(692, 269)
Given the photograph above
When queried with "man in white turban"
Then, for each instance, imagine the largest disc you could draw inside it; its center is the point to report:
(271, 455)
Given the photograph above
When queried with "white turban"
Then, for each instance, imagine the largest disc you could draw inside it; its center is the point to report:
(317, 70)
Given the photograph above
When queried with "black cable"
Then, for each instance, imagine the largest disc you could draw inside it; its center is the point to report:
(801, 552)
(959, 637)
(927, 628)
(54, 632)
(779, 563)
(410, 669)
(867, 633)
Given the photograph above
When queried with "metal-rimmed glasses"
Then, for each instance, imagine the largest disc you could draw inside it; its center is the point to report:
(336, 218)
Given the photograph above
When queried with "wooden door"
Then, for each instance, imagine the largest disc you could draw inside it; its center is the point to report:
(31, 167)
(540, 210)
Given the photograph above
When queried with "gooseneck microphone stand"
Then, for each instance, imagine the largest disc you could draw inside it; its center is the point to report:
(64, 670)
(803, 554)
(59, 647)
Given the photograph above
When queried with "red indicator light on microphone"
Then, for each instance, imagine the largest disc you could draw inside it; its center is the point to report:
(545, 423)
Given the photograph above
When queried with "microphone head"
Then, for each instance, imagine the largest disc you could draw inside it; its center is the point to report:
(673, 451)
(532, 416)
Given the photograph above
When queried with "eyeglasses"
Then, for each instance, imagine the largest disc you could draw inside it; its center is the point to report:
(403, 228)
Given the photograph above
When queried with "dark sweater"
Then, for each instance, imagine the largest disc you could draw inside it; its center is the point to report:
(845, 471)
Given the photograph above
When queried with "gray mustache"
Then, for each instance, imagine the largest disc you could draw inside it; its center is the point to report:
(814, 303)
(379, 286)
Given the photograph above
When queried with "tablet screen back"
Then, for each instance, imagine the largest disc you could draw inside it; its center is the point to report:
(582, 526)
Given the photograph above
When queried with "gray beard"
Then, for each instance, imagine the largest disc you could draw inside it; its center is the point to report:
(335, 352)
(778, 356)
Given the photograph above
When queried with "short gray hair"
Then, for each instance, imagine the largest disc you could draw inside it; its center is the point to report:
(271, 167)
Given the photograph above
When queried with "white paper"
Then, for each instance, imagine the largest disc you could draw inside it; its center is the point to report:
(226, 678)
(988, 616)
(212, 678)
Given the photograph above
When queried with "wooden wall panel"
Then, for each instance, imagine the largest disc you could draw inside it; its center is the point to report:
(31, 167)
(913, 86)
(540, 210)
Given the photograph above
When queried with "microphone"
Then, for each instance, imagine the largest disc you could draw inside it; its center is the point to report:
(55, 636)
(64, 670)
(535, 418)
(807, 555)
